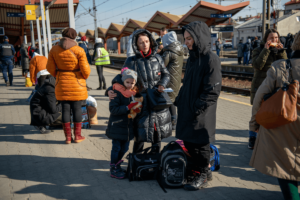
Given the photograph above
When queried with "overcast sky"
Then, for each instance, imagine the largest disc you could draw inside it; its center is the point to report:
(117, 11)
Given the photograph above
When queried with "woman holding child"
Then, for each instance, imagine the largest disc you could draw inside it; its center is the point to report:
(149, 125)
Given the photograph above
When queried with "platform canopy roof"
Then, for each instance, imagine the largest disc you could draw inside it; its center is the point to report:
(80, 34)
(202, 11)
(101, 32)
(160, 20)
(114, 30)
(16, 27)
(131, 25)
(90, 33)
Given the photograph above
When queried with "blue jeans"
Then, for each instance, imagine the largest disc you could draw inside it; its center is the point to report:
(252, 134)
(218, 52)
(246, 57)
(7, 66)
(119, 148)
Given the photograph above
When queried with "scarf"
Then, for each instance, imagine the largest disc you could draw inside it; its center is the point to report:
(125, 92)
(149, 53)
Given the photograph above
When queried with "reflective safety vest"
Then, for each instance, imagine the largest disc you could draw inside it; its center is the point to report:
(104, 58)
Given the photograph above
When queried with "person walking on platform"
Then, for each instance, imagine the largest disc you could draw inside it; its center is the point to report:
(240, 52)
(276, 152)
(218, 46)
(173, 59)
(197, 101)
(246, 52)
(150, 125)
(7, 53)
(83, 44)
(37, 64)
(269, 51)
(24, 59)
(101, 58)
(67, 62)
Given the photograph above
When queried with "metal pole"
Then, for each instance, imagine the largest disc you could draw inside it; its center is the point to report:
(95, 20)
(71, 14)
(269, 14)
(39, 35)
(264, 19)
(44, 28)
(25, 38)
(48, 28)
(31, 30)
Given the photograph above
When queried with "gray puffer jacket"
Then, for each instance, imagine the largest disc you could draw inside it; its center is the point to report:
(24, 56)
(173, 59)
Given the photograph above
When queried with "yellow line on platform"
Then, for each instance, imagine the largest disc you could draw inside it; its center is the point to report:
(239, 102)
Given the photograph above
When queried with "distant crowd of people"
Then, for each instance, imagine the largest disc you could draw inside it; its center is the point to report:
(151, 68)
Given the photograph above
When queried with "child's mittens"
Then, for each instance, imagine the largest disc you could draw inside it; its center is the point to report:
(132, 105)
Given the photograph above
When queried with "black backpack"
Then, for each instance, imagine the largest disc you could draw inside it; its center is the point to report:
(172, 166)
(143, 165)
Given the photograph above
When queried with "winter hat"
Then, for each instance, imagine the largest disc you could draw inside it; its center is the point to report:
(98, 40)
(169, 38)
(42, 73)
(5, 38)
(128, 73)
(69, 33)
(296, 43)
(83, 38)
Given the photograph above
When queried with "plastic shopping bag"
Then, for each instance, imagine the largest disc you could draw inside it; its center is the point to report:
(90, 101)
(28, 82)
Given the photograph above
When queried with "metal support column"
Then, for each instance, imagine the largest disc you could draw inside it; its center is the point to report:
(44, 28)
(71, 14)
(31, 30)
(264, 18)
(39, 35)
(95, 20)
(48, 28)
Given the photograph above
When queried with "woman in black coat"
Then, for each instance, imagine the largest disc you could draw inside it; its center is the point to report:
(149, 125)
(24, 59)
(197, 100)
(44, 108)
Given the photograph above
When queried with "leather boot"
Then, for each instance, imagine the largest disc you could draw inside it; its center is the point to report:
(77, 132)
(68, 132)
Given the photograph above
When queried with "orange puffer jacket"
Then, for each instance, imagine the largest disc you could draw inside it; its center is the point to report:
(68, 63)
(37, 64)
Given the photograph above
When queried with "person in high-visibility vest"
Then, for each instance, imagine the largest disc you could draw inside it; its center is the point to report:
(101, 58)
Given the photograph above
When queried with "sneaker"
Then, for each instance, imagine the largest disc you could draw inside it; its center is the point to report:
(251, 142)
(199, 181)
(42, 129)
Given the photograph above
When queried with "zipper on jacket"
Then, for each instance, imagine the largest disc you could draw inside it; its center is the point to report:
(116, 122)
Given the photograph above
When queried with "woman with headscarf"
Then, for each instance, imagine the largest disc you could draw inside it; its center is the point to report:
(262, 59)
(277, 151)
(149, 125)
(197, 101)
(67, 62)
(172, 54)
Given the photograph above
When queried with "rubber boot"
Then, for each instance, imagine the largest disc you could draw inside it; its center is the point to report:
(68, 132)
(77, 132)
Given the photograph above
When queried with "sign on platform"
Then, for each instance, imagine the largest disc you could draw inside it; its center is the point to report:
(2, 33)
(222, 28)
(30, 12)
(220, 15)
(13, 14)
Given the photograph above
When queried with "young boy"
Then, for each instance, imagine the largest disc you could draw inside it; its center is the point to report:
(120, 127)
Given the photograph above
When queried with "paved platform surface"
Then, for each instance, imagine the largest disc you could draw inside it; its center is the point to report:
(40, 166)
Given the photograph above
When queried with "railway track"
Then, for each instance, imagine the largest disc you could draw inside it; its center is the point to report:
(117, 64)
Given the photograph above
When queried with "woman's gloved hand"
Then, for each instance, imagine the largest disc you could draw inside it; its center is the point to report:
(132, 105)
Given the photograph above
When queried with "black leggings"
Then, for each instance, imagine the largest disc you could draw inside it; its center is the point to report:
(200, 154)
(75, 106)
(100, 75)
(289, 189)
(173, 110)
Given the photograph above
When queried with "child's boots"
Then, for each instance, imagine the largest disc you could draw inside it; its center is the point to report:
(116, 170)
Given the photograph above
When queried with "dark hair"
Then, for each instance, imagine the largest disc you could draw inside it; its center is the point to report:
(163, 29)
(256, 38)
(268, 33)
(139, 35)
(136, 28)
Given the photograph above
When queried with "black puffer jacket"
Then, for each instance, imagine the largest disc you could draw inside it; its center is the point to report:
(173, 59)
(24, 56)
(119, 125)
(44, 108)
(151, 73)
(197, 98)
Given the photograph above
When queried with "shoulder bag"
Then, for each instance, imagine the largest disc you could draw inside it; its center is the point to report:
(280, 107)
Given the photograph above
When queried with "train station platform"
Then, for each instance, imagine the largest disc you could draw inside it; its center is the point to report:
(41, 166)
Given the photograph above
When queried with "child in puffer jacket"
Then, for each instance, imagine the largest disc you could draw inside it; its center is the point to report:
(120, 127)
